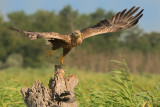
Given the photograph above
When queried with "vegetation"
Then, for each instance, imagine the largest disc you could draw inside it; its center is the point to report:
(114, 89)
(29, 53)
(23, 61)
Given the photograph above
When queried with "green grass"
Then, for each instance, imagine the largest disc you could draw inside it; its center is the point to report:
(117, 88)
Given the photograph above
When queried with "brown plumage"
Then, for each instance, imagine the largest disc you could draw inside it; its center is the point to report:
(121, 20)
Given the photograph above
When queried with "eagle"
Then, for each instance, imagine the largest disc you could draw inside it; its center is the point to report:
(122, 20)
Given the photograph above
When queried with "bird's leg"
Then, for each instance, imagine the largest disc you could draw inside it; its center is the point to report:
(61, 59)
(65, 52)
(50, 53)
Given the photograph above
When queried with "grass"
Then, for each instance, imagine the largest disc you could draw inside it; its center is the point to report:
(117, 88)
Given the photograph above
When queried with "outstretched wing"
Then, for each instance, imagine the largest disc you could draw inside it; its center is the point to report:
(45, 35)
(121, 20)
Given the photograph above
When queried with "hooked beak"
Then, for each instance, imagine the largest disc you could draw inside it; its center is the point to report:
(79, 35)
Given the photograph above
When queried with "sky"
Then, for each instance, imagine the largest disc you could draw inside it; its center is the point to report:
(149, 22)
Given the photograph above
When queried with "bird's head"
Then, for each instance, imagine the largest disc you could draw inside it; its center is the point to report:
(76, 34)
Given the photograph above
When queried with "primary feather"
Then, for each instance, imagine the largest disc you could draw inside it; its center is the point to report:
(45, 35)
(121, 20)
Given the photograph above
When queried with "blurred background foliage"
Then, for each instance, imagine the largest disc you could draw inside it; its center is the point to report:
(140, 49)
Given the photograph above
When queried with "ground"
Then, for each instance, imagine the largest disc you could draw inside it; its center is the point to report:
(94, 89)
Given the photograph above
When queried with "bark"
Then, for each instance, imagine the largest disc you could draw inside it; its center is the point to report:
(59, 94)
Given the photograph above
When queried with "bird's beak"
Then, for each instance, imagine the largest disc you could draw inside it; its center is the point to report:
(79, 35)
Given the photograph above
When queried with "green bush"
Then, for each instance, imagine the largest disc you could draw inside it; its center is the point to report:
(14, 60)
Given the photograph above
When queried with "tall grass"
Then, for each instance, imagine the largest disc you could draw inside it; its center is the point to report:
(118, 88)
(118, 91)
(98, 62)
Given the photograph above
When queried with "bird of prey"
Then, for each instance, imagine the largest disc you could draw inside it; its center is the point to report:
(122, 20)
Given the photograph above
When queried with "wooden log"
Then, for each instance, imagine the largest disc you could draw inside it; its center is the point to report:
(59, 94)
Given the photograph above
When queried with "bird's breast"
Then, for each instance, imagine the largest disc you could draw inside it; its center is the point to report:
(76, 42)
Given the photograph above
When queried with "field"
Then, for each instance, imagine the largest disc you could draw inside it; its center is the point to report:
(118, 88)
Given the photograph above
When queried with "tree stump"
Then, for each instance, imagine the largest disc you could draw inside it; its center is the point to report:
(59, 94)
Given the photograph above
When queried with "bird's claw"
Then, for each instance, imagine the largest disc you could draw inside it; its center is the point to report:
(50, 53)
(61, 59)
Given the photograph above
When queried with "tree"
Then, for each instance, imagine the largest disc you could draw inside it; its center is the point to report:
(67, 18)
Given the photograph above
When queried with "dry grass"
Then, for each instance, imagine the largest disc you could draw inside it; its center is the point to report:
(100, 62)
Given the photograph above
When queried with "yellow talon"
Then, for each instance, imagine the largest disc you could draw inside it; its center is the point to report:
(61, 59)
(50, 53)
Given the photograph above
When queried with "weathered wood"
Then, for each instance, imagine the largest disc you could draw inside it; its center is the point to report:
(59, 94)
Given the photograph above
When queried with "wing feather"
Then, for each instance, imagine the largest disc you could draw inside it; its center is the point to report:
(122, 14)
(45, 35)
(121, 20)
